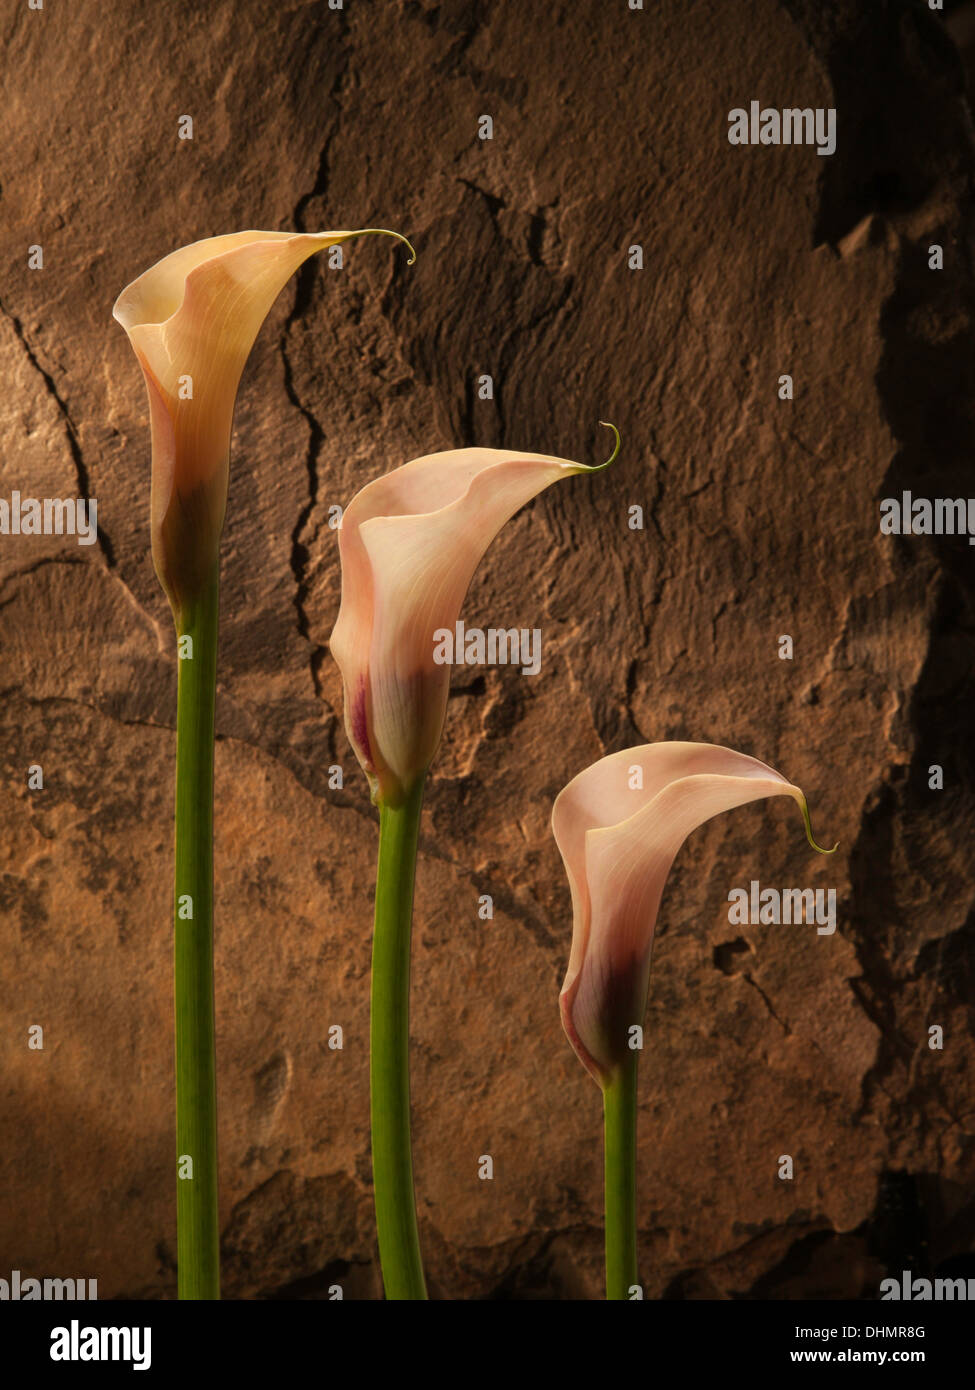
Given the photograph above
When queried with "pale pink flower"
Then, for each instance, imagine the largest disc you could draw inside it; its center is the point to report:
(410, 542)
(618, 831)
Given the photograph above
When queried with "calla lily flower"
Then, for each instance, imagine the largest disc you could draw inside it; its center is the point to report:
(192, 319)
(618, 826)
(409, 545)
(618, 833)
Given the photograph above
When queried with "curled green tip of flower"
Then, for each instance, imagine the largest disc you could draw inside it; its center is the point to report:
(804, 808)
(599, 466)
(384, 231)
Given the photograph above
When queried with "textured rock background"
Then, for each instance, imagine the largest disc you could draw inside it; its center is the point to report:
(762, 518)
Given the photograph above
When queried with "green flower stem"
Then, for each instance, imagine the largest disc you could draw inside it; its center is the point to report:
(619, 1131)
(197, 1222)
(389, 1058)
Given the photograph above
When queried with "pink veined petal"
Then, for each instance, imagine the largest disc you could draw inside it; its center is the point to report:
(618, 845)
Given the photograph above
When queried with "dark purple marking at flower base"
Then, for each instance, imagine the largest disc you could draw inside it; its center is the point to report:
(360, 730)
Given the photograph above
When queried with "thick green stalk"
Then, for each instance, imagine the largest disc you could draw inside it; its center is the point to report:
(619, 1137)
(197, 1223)
(389, 1058)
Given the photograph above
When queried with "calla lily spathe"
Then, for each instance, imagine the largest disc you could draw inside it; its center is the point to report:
(192, 319)
(618, 832)
(409, 544)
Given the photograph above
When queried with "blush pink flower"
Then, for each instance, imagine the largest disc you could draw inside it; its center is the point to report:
(409, 544)
(618, 831)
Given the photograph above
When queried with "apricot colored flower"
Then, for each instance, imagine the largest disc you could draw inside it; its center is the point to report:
(192, 319)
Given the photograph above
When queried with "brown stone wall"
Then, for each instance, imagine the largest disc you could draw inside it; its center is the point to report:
(761, 519)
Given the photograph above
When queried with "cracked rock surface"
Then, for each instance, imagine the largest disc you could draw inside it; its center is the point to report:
(761, 519)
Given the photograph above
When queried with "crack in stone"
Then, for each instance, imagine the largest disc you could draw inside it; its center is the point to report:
(749, 979)
(493, 202)
(9, 578)
(342, 803)
(24, 571)
(429, 847)
(74, 443)
(515, 335)
(300, 555)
